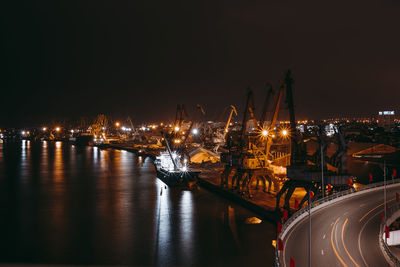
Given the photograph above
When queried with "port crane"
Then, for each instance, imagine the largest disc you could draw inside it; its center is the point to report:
(228, 122)
(248, 156)
(302, 175)
(199, 108)
(219, 139)
(98, 128)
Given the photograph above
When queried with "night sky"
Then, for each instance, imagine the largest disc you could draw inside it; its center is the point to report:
(65, 59)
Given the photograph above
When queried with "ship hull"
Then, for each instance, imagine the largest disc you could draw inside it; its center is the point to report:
(177, 179)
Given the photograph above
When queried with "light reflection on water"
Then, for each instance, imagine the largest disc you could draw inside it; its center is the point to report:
(186, 221)
(83, 205)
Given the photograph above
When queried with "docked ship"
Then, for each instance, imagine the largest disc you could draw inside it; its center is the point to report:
(173, 170)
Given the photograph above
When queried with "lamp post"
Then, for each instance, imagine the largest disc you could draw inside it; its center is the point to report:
(384, 194)
(309, 228)
(322, 172)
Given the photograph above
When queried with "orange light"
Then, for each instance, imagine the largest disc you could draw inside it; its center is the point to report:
(264, 132)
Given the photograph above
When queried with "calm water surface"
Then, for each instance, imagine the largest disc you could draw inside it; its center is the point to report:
(61, 204)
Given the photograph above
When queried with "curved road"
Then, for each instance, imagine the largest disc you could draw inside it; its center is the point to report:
(343, 234)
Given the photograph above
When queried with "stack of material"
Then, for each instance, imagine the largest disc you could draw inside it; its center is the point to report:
(200, 155)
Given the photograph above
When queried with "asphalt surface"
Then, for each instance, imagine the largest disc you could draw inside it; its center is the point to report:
(343, 234)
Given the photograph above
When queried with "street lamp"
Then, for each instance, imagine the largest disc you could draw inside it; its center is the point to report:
(57, 129)
(264, 133)
(384, 194)
(117, 124)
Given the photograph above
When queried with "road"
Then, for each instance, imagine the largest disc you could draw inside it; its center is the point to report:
(343, 234)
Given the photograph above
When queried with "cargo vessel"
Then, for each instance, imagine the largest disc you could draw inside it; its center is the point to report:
(172, 169)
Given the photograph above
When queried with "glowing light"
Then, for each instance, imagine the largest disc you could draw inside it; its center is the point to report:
(184, 168)
(123, 128)
(195, 131)
(176, 129)
(284, 132)
(143, 128)
(264, 132)
(23, 132)
(57, 129)
(117, 124)
(177, 141)
(72, 131)
(44, 129)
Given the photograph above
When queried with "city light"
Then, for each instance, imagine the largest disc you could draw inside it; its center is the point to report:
(264, 132)
(117, 124)
(284, 132)
(195, 131)
(176, 129)
(44, 129)
(57, 129)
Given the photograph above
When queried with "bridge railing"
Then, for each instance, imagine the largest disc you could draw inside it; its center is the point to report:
(303, 212)
(391, 215)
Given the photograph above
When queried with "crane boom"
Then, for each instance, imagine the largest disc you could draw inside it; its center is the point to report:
(274, 119)
(265, 107)
(233, 110)
(199, 107)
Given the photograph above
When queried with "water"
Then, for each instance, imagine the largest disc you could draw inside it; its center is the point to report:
(61, 204)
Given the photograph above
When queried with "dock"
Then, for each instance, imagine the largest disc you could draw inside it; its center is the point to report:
(261, 203)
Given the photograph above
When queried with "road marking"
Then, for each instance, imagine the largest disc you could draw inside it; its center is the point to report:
(371, 210)
(322, 252)
(351, 258)
(324, 236)
(359, 239)
(333, 245)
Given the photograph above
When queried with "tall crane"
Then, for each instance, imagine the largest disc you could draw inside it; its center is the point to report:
(130, 122)
(248, 158)
(233, 110)
(98, 128)
(273, 121)
(201, 110)
(265, 107)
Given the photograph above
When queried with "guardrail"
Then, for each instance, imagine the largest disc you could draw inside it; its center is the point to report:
(320, 203)
(391, 216)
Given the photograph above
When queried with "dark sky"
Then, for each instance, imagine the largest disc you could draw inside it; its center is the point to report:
(64, 59)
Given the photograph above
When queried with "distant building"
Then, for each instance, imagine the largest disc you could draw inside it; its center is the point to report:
(386, 119)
